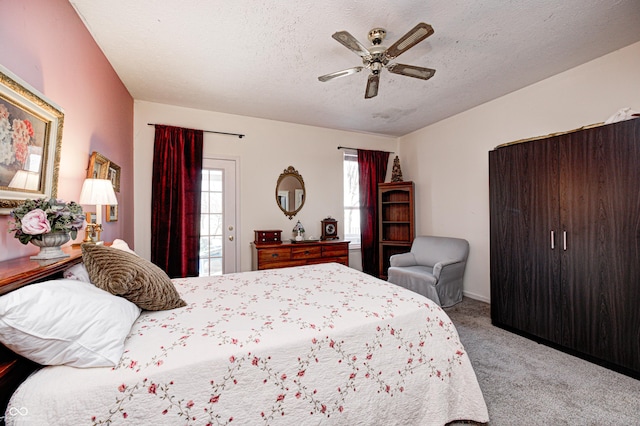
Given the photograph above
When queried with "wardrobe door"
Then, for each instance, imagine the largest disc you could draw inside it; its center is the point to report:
(600, 211)
(524, 220)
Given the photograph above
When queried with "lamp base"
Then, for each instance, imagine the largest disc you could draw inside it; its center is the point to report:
(92, 233)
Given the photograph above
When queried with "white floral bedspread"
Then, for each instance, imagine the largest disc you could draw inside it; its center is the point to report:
(321, 344)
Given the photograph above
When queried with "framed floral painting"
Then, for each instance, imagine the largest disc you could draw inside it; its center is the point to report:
(30, 143)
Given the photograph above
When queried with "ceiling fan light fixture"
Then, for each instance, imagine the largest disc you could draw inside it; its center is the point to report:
(377, 51)
(376, 35)
(377, 56)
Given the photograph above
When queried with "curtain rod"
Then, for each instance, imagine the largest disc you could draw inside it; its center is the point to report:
(206, 131)
(355, 149)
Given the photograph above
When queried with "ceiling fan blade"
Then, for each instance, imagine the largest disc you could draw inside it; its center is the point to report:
(372, 86)
(410, 39)
(351, 43)
(411, 71)
(342, 73)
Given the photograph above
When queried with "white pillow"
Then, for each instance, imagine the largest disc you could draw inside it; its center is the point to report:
(66, 322)
(77, 272)
(122, 245)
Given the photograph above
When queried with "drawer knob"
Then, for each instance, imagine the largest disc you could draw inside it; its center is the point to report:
(274, 255)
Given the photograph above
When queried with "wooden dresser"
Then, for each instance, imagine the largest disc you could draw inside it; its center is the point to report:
(269, 256)
(15, 273)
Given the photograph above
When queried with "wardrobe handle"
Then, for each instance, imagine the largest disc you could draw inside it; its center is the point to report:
(564, 240)
(553, 240)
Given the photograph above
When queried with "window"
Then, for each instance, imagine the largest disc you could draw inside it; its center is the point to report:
(351, 198)
(211, 223)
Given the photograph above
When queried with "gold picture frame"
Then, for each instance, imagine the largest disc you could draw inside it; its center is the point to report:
(112, 213)
(30, 143)
(113, 174)
(100, 167)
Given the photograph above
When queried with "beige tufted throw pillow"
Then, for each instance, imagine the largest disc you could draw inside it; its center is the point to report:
(132, 277)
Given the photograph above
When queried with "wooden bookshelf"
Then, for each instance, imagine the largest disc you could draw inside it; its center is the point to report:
(396, 222)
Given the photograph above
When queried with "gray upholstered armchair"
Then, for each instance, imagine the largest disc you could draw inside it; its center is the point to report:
(434, 268)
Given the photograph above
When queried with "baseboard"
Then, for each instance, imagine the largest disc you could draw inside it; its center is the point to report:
(476, 297)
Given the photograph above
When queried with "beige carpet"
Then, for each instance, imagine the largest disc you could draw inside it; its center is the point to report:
(526, 383)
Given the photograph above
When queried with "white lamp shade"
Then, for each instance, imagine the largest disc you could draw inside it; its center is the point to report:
(98, 192)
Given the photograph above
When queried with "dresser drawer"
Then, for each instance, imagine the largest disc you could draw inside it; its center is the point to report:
(274, 254)
(344, 260)
(282, 264)
(283, 255)
(335, 250)
(311, 252)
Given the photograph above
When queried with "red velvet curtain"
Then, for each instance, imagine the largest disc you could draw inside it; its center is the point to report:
(372, 168)
(175, 200)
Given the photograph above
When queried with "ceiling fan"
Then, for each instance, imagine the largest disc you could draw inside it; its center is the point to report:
(377, 56)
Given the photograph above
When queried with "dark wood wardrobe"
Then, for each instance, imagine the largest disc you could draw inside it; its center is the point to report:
(565, 242)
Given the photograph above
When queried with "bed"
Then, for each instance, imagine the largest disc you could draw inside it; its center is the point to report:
(317, 344)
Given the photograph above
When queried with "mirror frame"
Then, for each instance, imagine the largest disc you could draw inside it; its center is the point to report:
(291, 172)
(27, 104)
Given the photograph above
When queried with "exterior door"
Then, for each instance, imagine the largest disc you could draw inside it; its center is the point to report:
(218, 224)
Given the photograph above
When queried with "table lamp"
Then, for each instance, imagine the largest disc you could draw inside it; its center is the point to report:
(98, 192)
(299, 229)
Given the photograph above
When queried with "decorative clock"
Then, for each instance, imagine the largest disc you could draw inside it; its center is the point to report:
(329, 229)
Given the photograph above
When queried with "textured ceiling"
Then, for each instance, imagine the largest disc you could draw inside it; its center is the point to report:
(261, 58)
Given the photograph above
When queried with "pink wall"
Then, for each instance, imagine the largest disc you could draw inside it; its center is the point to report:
(45, 43)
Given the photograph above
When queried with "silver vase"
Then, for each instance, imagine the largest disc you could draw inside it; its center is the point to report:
(51, 246)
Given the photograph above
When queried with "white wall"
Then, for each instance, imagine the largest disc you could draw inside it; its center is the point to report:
(268, 148)
(449, 160)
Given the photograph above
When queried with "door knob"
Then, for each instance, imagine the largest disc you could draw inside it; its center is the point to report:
(230, 237)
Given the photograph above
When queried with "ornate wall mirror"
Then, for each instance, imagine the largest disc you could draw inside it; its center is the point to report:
(290, 192)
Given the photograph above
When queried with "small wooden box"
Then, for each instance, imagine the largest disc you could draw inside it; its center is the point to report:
(268, 237)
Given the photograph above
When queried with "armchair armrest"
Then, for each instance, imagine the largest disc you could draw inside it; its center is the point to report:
(402, 259)
(447, 267)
